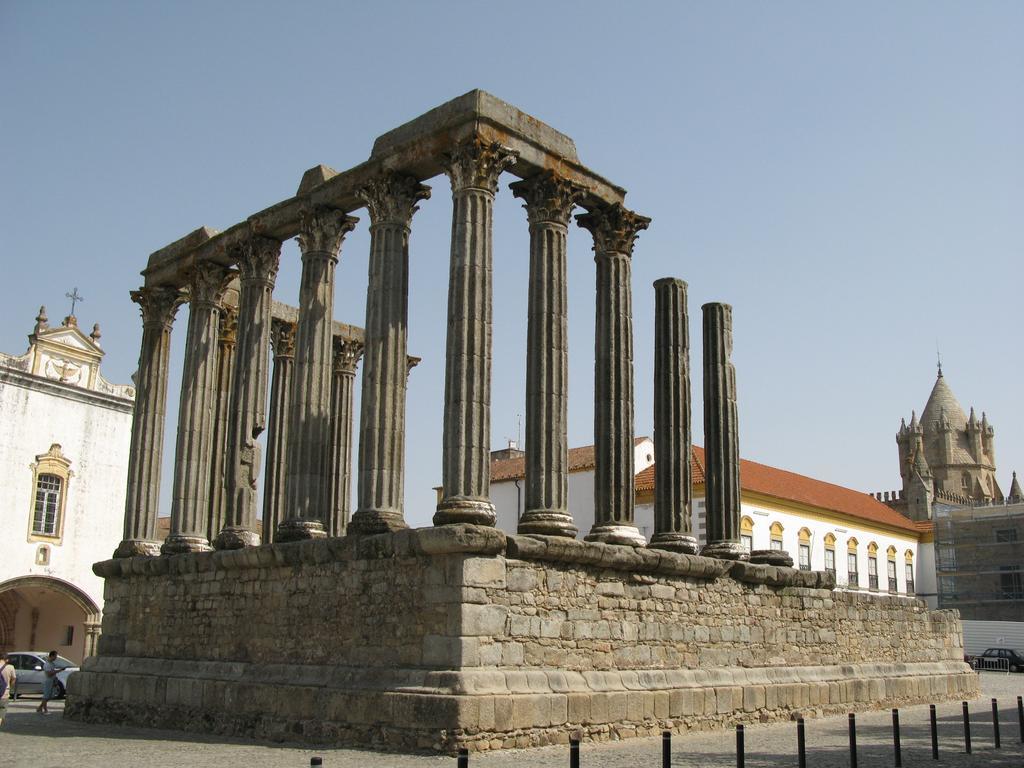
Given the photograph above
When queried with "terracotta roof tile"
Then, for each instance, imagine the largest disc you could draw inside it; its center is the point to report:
(580, 459)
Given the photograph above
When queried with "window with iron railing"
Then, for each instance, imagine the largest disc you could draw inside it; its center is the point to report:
(872, 573)
(910, 578)
(853, 579)
(891, 573)
(805, 557)
(830, 561)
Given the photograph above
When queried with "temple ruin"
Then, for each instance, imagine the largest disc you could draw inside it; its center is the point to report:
(354, 629)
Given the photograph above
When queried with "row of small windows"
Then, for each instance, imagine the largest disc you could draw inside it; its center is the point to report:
(853, 575)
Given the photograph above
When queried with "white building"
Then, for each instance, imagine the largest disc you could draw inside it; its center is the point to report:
(867, 545)
(64, 438)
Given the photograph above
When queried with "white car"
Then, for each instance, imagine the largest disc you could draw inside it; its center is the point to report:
(28, 666)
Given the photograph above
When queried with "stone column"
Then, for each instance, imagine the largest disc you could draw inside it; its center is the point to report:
(391, 200)
(473, 168)
(282, 341)
(93, 629)
(258, 261)
(615, 230)
(346, 357)
(721, 437)
(159, 306)
(190, 500)
(549, 203)
(673, 482)
(308, 487)
(225, 367)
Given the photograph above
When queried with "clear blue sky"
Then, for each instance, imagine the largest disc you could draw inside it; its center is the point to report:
(849, 176)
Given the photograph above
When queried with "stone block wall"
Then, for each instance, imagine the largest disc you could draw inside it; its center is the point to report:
(460, 636)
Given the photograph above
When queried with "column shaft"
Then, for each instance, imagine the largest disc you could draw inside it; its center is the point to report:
(225, 365)
(615, 230)
(159, 306)
(473, 168)
(391, 200)
(308, 488)
(190, 500)
(721, 437)
(282, 341)
(549, 203)
(346, 357)
(258, 261)
(672, 431)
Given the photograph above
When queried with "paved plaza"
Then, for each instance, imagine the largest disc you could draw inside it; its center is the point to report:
(29, 739)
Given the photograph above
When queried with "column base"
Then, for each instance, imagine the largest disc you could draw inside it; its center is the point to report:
(771, 557)
(725, 550)
(236, 537)
(675, 542)
(547, 522)
(178, 543)
(366, 522)
(137, 548)
(626, 535)
(298, 529)
(461, 509)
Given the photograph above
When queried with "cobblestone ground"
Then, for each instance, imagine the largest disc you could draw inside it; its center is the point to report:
(29, 739)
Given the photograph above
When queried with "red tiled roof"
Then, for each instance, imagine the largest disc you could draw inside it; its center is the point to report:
(580, 459)
(756, 478)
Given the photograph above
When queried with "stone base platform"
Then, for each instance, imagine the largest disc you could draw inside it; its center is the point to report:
(440, 638)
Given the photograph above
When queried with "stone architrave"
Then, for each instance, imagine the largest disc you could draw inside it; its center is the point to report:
(258, 261)
(673, 484)
(158, 305)
(225, 366)
(615, 230)
(391, 200)
(190, 499)
(282, 342)
(473, 168)
(721, 437)
(549, 203)
(308, 485)
(347, 353)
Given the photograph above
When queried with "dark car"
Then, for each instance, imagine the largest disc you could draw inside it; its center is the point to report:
(999, 658)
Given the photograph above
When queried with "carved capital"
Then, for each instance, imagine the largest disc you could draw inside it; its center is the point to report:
(282, 338)
(324, 229)
(207, 283)
(614, 228)
(477, 164)
(228, 325)
(549, 197)
(159, 305)
(391, 198)
(258, 260)
(346, 355)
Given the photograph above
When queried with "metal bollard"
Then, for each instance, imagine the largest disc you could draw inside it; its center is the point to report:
(1020, 716)
(463, 757)
(935, 732)
(574, 753)
(315, 761)
(666, 749)
(995, 722)
(853, 740)
(897, 749)
(801, 749)
(739, 746)
(967, 729)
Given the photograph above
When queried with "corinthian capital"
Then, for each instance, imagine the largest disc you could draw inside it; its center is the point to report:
(158, 305)
(614, 228)
(392, 197)
(258, 259)
(324, 229)
(549, 197)
(477, 164)
(346, 355)
(207, 283)
(282, 338)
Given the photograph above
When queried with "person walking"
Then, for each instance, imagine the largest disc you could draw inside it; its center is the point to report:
(50, 671)
(7, 679)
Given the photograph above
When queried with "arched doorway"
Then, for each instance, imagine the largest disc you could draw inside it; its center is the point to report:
(44, 613)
